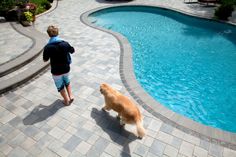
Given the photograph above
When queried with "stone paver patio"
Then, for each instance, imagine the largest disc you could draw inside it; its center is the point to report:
(34, 122)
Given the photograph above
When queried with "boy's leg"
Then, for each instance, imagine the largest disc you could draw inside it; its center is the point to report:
(65, 97)
(68, 88)
(58, 80)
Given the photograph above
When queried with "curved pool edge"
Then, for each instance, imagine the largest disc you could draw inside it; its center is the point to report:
(214, 135)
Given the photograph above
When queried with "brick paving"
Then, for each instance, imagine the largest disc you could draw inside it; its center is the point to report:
(34, 122)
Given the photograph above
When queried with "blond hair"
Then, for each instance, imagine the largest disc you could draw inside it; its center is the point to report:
(52, 31)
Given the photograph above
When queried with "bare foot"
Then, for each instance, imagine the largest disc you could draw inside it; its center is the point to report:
(66, 103)
(71, 99)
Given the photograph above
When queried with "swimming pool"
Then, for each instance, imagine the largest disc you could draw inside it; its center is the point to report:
(187, 64)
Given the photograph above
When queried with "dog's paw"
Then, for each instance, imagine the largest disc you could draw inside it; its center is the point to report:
(103, 109)
(122, 123)
(118, 117)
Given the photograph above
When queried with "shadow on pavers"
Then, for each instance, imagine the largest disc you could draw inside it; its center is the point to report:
(111, 125)
(41, 112)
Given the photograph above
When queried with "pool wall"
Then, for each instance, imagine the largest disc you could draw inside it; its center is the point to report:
(224, 138)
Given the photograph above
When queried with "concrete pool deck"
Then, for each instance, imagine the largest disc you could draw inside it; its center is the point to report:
(33, 122)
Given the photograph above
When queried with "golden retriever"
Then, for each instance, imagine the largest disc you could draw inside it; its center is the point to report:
(127, 111)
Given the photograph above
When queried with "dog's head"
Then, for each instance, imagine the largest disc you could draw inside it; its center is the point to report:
(103, 88)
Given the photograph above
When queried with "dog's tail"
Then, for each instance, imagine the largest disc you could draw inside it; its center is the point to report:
(140, 130)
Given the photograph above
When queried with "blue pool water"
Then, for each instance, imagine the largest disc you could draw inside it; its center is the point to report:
(187, 64)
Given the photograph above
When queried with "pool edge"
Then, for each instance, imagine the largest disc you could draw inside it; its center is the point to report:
(214, 135)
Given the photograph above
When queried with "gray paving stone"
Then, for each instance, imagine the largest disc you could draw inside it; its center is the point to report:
(44, 141)
(141, 150)
(79, 122)
(1, 154)
(113, 150)
(63, 124)
(63, 152)
(204, 144)
(148, 141)
(12, 134)
(56, 132)
(27, 104)
(89, 126)
(6, 129)
(35, 150)
(151, 155)
(47, 153)
(10, 107)
(93, 139)
(44, 127)
(186, 149)
(121, 140)
(12, 97)
(15, 121)
(170, 151)
(110, 135)
(229, 153)
(157, 148)
(72, 143)
(83, 134)
(55, 145)
(83, 147)
(105, 155)
(164, 137)
(75, 153)
(101, 143)
(215, 150)
(5, 149)
(3, 141)
(6, 117)
(166, 128)
(31, 131)
(18, 140)
(176, 142)
(28, 143)
(200, 152)
(18, 152)
(31, 119)
(129, 146)
(93, 152)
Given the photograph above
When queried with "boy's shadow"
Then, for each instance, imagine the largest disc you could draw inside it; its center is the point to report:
(111, 125)
(41, 112)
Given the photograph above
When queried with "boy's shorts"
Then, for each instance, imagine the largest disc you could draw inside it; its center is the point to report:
(61, 81)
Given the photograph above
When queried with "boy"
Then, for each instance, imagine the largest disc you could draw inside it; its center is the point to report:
(58, 52)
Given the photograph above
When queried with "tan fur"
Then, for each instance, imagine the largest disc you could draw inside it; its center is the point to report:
(126, 109)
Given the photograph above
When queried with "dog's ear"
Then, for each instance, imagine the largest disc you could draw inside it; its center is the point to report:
(103, 85)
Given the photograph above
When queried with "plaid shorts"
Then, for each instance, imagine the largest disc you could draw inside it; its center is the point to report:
(61, 81)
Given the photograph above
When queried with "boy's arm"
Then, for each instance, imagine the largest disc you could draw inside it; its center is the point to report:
(69, 48)
(45, 54)
(72, 50)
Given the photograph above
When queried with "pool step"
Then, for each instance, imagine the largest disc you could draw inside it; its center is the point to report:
(39, 41)
(23, 68)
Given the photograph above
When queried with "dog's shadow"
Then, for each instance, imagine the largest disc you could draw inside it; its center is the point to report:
(41, 113)
(117, 133)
